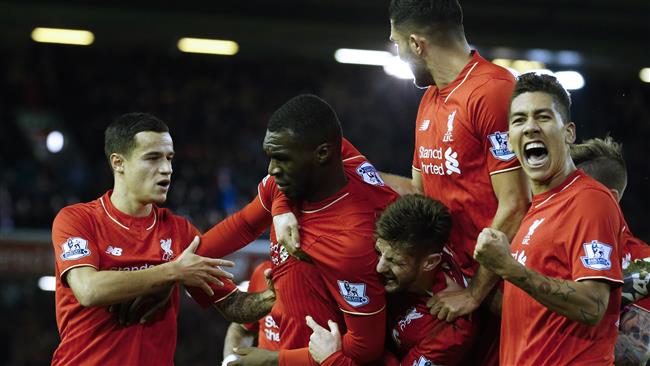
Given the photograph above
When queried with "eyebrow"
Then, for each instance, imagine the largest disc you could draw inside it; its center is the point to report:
(536, 111)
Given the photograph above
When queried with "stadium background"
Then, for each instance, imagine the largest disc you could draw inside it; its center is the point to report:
(218, 106)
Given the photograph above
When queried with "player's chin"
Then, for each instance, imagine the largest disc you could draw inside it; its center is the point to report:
(159, 198)
(391, 286)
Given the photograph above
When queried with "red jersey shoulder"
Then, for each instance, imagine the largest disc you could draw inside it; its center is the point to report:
(180, 223)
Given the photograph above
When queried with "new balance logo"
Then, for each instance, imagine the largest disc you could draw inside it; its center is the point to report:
(114, 251)
(424, 125)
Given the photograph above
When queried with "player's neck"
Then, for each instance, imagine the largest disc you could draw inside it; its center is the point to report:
(127, 204)
(447, 62)
(331, 181)
(424, 283)
(554, 181)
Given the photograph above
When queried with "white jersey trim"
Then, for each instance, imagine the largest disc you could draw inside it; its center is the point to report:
(414, 168)
(505, 170)
(328, 205)
(364, 314)
(259, 196)
(155, 217)
(75, 266)
(461, 83)
(597, 278)
(554, 194)
(354, 157)
(226, 296)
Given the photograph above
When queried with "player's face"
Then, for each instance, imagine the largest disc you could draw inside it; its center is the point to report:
(421, 75)
(399, 270)
(540, 138)
(148, 168)
(291, 164)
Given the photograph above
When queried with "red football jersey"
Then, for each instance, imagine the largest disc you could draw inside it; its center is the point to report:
(635, 248)
(422, 339)
(267, 328)
(98, 235)
(461, 136)
(572, 232)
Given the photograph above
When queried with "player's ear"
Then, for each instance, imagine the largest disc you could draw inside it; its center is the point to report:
(431, 261)
(323, 153)
(570, 133)
(117, 162)
(417, 43)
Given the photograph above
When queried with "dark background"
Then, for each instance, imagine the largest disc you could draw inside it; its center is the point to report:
(218, 106)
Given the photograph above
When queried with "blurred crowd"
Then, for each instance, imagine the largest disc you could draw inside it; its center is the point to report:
(217, 109)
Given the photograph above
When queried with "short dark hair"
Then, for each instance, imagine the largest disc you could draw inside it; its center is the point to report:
(309, 118)
(532, 82)
(416, 224)
(119, 135)
(424, 14)
(602, 159)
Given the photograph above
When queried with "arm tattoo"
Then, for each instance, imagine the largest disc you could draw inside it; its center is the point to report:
(548, 286)
(633, 345)
(636, 279)
(245, 307)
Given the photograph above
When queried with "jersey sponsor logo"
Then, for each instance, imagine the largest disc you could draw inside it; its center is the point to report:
(424, 125)
(353, 293)
(520, 257)
(500, 149)
(450, 166)
(531, 231)
(423, 361)
(166, 245)
(269, 332)
(449, 137)
(597, 255)
(132, 268)
(74, 248)
(412, 314)
(451, 162)
(369, 174)
(114, 251)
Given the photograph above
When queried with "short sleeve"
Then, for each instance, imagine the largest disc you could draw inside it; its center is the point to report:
(488, 110)
(220, 293)
(595, 248)
(349, 274)
(348, 151)
(74, 243)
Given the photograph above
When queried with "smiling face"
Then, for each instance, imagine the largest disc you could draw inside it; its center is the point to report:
(403, 43)
(146, 170)
(291, 163)
(540, 138)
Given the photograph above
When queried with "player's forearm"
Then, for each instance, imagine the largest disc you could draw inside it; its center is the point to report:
(636, 279)
(246, 307)
(584, 302)
(482, 283)
(236, 336)
(102, 288)
(509, 214)
(399, 184)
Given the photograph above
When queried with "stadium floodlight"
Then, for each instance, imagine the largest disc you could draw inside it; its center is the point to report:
(398, 68)
(63, 36)
(570, 80)
(54, 142)
(208, 46)
(362, 57)
(644, 74)
(568, 58)
(47, 283)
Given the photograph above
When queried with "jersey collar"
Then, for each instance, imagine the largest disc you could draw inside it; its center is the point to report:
(125, 221)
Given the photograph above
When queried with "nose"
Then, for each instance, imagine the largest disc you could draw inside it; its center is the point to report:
(166, 167)
(531, 127)
(381, 265)
(274, 169)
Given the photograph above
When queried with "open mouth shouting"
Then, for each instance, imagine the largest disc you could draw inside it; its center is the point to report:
(164, 183)
(535, 154)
